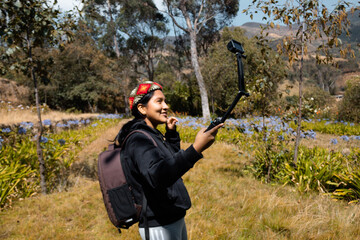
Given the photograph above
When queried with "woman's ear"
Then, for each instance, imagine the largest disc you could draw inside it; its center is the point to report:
(142, 109)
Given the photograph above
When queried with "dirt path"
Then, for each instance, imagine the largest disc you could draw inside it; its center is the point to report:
(85, 164)
(101, 142)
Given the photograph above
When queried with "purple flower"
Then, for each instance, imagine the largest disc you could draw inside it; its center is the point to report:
(345, 138)
(6, 130)
(47, 122)
(44, 139)
(22, 130)
(334, 141)
(26, 125)
(61, 142)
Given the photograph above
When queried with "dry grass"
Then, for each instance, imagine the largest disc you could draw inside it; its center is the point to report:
(226, 205)
(17, 116)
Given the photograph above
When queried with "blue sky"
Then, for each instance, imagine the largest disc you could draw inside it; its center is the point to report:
(238, 21)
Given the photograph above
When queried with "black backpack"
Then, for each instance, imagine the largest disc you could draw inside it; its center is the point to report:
(121, 205)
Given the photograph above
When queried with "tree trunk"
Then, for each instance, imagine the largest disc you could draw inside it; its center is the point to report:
(199, 77)
(321, 78)
(116, 46)
(192, 30)
(298, 131)
(39, 151)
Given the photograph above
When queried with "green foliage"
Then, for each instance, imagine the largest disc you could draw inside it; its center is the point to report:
(263, 72)
(349, 109)
(29, 24)
(181, 92)
(328, 127)
(83, 78)
(315, 104)
(348, 186)
(16, 181)
(19, 165)
(319, 97)
(314, 170)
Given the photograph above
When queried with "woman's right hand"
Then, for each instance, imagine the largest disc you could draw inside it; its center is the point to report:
(203, 139)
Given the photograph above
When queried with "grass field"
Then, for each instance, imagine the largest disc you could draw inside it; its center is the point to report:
(11, 117)
(227, 202)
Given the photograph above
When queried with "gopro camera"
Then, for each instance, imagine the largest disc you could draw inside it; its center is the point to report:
(235, 47)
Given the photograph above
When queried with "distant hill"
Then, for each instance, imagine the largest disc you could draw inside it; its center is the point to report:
(253, 28)
(355, 28)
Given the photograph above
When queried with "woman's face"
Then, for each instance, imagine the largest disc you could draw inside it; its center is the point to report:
(155, 110)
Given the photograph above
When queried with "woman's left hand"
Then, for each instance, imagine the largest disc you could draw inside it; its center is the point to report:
(170, 123)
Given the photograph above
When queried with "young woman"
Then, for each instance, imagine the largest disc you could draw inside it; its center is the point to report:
(157, 170)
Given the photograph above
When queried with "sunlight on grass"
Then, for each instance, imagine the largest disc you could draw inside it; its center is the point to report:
(18, 116)
(227, 204)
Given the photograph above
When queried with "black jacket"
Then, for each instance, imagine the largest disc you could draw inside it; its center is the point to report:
(157, 171)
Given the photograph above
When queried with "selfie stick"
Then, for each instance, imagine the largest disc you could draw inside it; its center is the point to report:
(234, 47)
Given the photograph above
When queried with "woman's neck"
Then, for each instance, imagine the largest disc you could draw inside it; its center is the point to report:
(150, 124)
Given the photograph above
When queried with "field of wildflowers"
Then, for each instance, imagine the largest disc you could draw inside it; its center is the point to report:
(266, 142)
(269, 144)
(61, 141)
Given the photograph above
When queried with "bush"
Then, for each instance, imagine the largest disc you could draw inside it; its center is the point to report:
(349, 109)
(349, 187)
(319, 97)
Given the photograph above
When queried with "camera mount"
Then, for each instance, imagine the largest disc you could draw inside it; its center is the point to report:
(234, 47)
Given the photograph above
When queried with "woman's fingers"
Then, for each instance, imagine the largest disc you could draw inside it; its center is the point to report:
(214, 130)
(171, 121)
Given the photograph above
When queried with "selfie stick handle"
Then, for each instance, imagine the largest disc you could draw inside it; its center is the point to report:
(241, 93)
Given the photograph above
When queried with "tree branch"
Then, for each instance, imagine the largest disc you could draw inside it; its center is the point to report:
(169, 12)
(203, 22)
(199, 14)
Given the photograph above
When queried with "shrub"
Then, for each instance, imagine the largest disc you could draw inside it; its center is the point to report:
(349, 109)
(315, 168)
(349, 187)
(16, 181)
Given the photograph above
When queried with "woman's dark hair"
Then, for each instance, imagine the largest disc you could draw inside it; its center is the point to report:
(125, 130)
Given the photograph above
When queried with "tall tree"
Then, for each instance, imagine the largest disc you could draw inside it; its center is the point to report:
(25, 25)
(190, 17)
(146, 30)
(314, 21)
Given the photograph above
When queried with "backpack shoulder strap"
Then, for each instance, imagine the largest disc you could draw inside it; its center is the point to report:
(144, 200)
(139, 131)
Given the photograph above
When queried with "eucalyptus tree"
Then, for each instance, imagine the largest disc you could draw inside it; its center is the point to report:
(24, 26)
(145, 29)
(190, 16)
(313, 21)
(100, 16)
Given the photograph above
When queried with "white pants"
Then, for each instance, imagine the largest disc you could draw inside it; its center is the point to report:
(173, 231)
